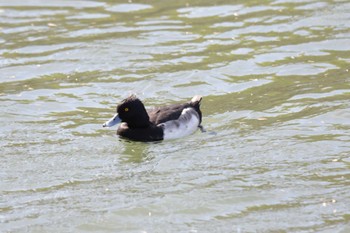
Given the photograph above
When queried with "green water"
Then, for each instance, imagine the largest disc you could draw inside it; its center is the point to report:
(274, 76)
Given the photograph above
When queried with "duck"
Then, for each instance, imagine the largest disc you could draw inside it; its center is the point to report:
(160, 123)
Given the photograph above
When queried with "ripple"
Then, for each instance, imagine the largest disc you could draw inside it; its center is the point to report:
(123, 8)
(88, 16)
(318, 48)
(210, 11)
(54, 3)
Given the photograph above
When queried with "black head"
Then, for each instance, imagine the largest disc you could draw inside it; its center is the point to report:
(132, 111)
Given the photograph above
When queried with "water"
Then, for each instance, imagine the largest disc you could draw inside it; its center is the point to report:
(274, 76)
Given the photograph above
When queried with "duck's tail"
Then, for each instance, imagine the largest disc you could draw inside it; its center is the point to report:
(196, 100)
(195, 103)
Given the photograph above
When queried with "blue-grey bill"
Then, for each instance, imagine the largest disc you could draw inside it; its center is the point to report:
(113, 121)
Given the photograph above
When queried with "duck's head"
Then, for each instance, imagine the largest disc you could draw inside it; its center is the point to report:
(132, 111)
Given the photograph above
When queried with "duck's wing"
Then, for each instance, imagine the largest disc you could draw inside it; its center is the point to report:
(166, 113)
(173, 112)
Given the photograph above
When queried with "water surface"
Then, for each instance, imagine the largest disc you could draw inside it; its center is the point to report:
(274, 76)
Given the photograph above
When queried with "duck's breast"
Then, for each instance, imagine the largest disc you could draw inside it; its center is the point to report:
(186, 124)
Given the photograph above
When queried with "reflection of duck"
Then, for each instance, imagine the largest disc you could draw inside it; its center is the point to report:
(168, 122)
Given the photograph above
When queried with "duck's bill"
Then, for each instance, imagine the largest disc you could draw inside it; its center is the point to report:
(113, 121)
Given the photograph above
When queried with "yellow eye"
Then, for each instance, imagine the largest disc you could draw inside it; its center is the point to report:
(126, 109)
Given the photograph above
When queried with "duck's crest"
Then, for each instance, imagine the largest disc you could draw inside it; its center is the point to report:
(132, 96)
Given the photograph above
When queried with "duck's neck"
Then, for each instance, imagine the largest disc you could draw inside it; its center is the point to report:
(141, 120)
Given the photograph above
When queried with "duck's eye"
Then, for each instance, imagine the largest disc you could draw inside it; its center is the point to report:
(126, 109)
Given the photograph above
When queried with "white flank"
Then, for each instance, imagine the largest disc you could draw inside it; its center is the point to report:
(186, 124)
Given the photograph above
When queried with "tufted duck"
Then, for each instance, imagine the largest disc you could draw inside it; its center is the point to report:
(168, 122)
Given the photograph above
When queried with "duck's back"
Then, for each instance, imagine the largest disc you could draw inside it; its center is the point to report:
(166, 113)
